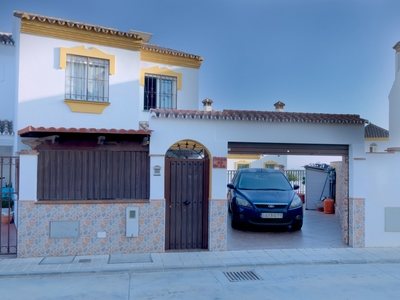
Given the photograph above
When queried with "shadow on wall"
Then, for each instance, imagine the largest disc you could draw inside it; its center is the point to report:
(122, 113)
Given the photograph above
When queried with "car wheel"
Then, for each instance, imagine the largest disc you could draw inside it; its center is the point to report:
(296, 226)
(235, 224)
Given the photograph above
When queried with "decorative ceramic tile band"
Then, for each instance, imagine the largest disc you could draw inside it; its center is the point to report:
(357, 222)
(218, 225)
(342, 197)
(34, 229)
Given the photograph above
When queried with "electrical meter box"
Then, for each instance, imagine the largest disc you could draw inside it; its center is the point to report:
(132, 221)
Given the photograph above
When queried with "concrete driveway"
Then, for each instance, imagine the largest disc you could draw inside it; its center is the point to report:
(319, 231)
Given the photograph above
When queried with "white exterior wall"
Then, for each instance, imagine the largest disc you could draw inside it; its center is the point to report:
(394, 106)
(381, 188)
(27, 180)
(42, 87)
(381, 145)
(7, 81)
(7, 99)
(215, 135)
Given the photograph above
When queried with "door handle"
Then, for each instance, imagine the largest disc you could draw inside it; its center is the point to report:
(187, 202)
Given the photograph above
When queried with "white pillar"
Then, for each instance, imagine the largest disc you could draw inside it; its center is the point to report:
(394, 104)
(157, 177)
(28, 161)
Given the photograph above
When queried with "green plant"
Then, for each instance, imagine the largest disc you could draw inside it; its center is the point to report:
(292, 177)
(7, 198)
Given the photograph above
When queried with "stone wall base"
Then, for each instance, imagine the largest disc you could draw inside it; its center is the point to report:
(101, 228)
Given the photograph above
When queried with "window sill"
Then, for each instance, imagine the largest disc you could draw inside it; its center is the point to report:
(87, 107)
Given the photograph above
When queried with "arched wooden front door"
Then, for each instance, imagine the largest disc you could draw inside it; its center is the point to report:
(186, 192)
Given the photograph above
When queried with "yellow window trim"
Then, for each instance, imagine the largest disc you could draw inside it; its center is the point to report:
(88, 52)
(161, 71)
(86, 106)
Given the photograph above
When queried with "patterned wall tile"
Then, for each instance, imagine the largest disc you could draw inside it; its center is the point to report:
(357, 222)
(218, 225)
(34, 228)
(342, 197)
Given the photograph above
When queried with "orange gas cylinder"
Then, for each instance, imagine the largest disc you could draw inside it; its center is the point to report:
(329, 206)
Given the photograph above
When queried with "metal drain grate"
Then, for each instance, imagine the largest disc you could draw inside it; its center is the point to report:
(242, 276)
(84, 260)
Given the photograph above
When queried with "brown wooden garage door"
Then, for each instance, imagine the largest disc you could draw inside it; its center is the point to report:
(186, 190)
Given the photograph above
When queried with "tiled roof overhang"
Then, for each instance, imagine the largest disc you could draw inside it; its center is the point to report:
(397, 47)
(39, 24)
(373, 131)
(31, 131)
(163, 50)
(73, 24)
(260, 116)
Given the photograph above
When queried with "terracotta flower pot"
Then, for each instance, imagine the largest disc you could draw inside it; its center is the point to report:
(6, 216)
(6, 219)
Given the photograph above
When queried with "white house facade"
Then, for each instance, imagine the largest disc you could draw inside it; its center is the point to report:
(83, 100)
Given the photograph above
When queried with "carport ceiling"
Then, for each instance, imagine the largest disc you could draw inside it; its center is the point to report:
(288, 149)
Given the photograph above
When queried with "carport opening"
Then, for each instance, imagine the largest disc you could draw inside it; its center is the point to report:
(318, 181)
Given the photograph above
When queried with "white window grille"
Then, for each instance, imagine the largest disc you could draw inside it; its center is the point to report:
(87, 78)
(159, 91)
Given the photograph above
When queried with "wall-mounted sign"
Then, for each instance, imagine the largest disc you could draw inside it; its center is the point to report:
(219, 162)
(157, 171)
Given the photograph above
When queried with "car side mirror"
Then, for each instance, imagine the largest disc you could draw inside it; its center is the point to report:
(230, 186)
(296, 187)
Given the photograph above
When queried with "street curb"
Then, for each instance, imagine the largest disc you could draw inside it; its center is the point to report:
(150, 269)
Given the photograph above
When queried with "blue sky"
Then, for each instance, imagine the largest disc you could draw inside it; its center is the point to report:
(330, 56)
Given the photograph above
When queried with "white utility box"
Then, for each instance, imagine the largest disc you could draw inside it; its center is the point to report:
(132, 221)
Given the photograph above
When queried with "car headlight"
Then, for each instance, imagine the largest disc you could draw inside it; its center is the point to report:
(296, 202)
(242, 202)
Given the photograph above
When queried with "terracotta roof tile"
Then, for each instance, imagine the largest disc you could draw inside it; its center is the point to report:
(6, 39)
(260, 116)
(163, 50)
(79, 25)
(373, 131)
(107, 30)
(40, 131)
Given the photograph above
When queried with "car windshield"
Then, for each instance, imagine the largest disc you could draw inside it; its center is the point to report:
(263, 181)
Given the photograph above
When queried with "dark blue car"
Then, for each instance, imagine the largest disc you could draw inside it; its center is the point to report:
(264, 197)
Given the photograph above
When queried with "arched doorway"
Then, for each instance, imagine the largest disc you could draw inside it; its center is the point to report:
(186, 193)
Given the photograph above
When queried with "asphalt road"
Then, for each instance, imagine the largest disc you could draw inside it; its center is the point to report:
(319, 281)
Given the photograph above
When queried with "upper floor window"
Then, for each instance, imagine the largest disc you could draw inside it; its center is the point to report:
(86, 78)
(159, 91)
(242, 166)
(269, 166)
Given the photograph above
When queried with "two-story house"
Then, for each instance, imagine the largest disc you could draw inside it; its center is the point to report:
(83, 99)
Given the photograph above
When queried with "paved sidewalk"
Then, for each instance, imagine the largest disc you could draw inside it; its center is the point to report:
(156, 262)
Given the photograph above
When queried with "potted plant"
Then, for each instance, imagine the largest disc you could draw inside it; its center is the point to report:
(7, 205)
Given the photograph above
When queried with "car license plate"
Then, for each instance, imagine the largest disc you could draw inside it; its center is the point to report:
(272, 215)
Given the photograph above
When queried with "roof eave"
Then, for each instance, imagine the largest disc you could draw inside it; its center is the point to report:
(31, 131)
